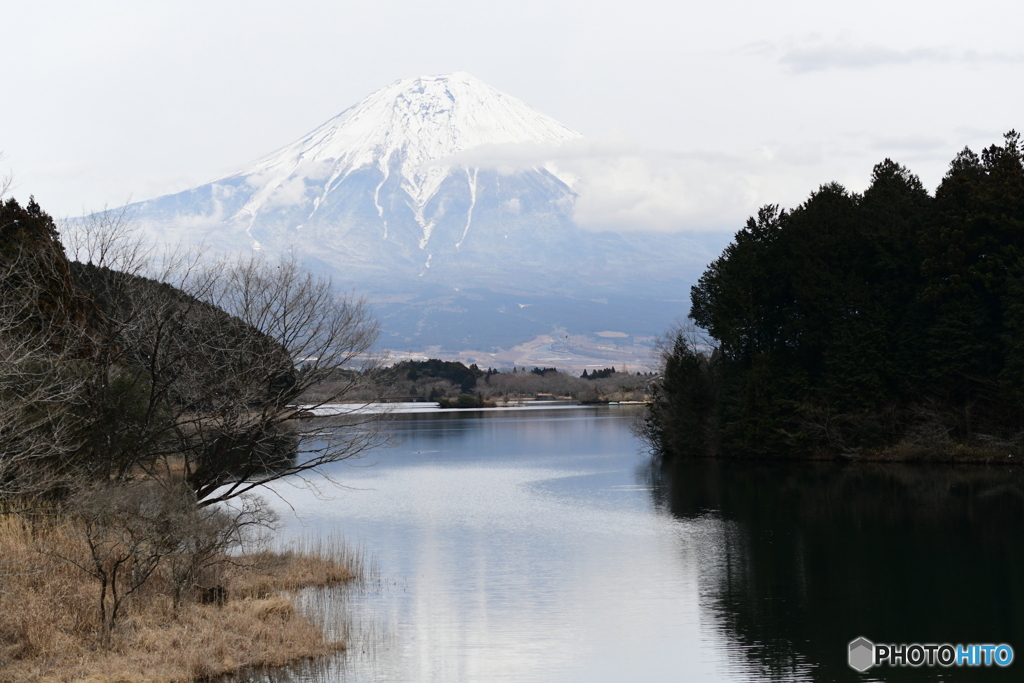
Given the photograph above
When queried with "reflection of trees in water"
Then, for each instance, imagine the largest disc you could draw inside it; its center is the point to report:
(440, 425)
(816, 554)
(444, 426)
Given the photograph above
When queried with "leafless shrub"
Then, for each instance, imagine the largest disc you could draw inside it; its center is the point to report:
(207, 540)
(125, 530)
(136, 532)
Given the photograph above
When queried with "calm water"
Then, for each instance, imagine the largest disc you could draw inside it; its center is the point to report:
(539, 546)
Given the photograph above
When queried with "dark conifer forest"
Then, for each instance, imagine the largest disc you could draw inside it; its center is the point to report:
(888, 324)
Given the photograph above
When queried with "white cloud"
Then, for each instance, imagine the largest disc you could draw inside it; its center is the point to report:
(223, 191)
(258, 181)
(622, 186)
(647, 193)
(815, 54)
(289, 193)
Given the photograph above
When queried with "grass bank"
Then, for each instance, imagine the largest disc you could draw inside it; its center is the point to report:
(50, 626)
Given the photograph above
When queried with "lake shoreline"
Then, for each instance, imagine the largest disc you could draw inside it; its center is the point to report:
(900, 454)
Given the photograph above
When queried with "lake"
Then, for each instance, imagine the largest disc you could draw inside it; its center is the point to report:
(540, 545)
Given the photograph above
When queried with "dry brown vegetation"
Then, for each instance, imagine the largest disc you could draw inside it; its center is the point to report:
(50, 626)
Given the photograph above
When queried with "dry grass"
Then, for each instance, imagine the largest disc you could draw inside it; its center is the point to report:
(308, 565)
(50, 627)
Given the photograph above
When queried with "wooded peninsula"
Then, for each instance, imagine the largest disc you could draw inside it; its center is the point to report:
(882, 325)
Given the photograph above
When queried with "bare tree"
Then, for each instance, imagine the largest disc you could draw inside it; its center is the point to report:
(296, 332)
(129, 364)
(200, 365)
(5, 182)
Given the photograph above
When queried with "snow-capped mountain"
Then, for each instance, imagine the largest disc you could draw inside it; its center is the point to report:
(401, 133)
(382, 198)
(382, 172)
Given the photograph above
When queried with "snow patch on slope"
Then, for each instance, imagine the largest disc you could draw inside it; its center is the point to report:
(472, 202)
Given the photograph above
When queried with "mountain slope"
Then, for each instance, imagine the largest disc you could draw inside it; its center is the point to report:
(379, 172)
(380, 199)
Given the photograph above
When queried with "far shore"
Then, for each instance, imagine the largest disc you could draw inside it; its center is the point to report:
(403, 407)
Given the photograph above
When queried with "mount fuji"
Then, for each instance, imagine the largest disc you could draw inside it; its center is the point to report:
(396, 198)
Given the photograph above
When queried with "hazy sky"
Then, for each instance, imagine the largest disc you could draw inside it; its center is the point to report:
(701, 111)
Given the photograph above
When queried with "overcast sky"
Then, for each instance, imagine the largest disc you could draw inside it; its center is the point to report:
(703, 110)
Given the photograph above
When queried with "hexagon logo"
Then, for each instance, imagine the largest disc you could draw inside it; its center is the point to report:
(862, 654)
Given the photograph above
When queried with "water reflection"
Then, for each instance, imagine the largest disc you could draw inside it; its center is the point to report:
(538, 547)
(521, 549)
(811, 555)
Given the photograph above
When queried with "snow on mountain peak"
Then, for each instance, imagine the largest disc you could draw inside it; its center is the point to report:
(404, 128)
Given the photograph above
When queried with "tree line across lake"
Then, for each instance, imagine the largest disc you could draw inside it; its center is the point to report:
(888, 323)
(454, 384)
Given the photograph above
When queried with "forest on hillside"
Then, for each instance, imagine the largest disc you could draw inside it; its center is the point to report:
(888, 323)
